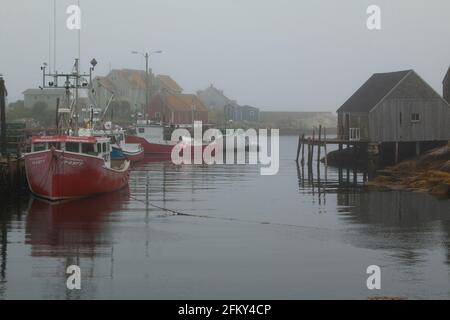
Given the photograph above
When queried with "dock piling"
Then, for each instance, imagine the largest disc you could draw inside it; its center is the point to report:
(3, 94)
(312, 146)
(325, 146)
(319, 144)
(303, 150)
(298, 147)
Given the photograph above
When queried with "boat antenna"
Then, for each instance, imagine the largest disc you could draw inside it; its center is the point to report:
(54, 35)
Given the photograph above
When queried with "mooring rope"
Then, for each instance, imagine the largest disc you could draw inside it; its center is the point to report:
(179, 213)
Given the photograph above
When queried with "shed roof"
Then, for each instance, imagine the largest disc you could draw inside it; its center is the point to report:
(447, 76)
(184, 102)
(373, 91)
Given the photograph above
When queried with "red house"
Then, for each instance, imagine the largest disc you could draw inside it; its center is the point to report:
(177, 109)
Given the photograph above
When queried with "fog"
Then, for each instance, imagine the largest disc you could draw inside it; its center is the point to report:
(276, 55)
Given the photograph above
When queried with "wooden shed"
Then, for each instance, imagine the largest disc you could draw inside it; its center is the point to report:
(395, 107)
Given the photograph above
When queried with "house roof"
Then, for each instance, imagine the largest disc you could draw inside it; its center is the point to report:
(373, 91)
(169, 83)
(214, 97)
(136, 78)
(184, 102)
(447, 76)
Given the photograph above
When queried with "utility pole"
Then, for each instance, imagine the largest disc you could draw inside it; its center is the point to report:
(146, 87)
(3, 94)
(146, 55)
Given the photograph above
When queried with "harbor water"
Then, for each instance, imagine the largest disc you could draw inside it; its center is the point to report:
(227, 232)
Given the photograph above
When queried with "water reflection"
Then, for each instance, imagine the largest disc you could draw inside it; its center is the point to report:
(73, 229)
(403, 223)
(302, 233)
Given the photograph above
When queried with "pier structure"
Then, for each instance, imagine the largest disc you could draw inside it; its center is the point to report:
(12, 173)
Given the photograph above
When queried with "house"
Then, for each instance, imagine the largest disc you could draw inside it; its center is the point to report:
(164, 84)
(177, 109)
(127, 85)
(46, 96)
(213, 98)
(395, 107)
(295, 121)
(234, 112)
(446, 86)
(103, 89)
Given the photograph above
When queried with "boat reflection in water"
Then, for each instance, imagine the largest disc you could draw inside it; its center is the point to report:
(73, 229)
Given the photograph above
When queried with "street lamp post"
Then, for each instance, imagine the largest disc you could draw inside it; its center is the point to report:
(146, 55)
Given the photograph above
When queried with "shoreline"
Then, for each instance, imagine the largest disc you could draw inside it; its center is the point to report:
(428, 173)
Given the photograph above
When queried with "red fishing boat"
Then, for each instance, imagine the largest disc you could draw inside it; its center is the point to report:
(64, 167)
(155, 139)
(152, 137)
(70, 165)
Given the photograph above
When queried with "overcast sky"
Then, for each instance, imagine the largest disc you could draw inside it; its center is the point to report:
(277, 55)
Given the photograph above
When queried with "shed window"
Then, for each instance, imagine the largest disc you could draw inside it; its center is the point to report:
(415, 117)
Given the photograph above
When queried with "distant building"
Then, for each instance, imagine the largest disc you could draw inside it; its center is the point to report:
(126, 84)
(103, 90)
(234, 112)
(298, 121)
(128, 87)
(177, 109)
(395, 107)
(446, 86)
(47, 96)
(213, 98)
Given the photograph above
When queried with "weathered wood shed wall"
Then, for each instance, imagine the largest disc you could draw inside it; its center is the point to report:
(391, 120)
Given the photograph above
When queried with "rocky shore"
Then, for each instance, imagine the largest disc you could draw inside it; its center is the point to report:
(427, 173)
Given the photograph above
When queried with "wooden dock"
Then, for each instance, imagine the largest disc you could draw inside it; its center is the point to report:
(320, 141)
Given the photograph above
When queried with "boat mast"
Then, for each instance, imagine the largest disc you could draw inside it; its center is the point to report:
(72, 81)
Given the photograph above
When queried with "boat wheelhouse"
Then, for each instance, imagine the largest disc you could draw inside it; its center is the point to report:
(154, 137)
(119, 148)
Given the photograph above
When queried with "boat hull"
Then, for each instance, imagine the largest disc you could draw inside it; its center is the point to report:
(151, 148)
(160, 148)
(57, 175)
(134, 156)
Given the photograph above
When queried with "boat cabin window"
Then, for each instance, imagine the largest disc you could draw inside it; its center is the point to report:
(39, 146)
(141, 130)
(88, 148)
(104, 147)
(73, 147)
(56, 145)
